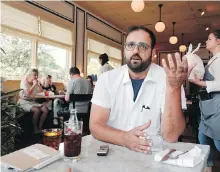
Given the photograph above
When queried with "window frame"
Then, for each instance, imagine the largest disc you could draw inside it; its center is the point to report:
(102, 40)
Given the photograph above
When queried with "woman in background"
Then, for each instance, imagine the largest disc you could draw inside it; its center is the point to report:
(30, 86)
(46, 84)
(103, 59)
(209, 128)
(89, 78)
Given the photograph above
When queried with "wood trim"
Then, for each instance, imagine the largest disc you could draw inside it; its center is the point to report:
(36, 4)
(101, 34)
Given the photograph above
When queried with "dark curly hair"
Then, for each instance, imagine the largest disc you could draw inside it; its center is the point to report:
(216, 33)
(104, 58)
(152, 35)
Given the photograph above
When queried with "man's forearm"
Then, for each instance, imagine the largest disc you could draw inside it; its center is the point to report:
(173, 121)
(107, 134)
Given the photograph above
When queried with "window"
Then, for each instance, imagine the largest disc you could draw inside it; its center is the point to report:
(93, 64)
(15, 56)
(95, 49)
(52, 61)
(29, 42)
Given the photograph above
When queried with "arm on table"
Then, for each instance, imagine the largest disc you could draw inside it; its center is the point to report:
(99, 128)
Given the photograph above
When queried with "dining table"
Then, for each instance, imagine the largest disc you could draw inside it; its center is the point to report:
(122, 159)
(48, 97)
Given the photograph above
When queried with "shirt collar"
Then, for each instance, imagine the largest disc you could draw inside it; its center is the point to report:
(149, 77)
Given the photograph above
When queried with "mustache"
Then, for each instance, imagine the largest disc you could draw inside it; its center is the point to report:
(135, 55)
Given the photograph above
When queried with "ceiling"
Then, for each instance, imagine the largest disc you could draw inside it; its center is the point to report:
(184, 13)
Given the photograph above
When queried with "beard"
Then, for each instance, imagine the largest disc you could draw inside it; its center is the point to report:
(140, 65)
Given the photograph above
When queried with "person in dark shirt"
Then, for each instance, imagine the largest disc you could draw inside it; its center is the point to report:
(90, 79)
(46, 84)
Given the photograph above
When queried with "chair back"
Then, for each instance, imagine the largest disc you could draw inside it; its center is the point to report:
(79, 98)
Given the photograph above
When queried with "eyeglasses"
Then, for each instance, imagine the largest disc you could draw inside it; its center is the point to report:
(142, 47)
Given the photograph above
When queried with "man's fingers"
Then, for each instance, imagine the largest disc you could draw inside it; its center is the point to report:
(145, 142)
(185, 65)
(145, 126)
(179, 63)
(141, 150)
(139, 133)
(171, 63)
(144, 148)
(164, 64)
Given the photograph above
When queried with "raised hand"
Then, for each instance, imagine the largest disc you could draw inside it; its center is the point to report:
(35, 82)
(175, 74)
(132, 139)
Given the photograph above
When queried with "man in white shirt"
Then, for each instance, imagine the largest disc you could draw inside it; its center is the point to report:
(139, 96)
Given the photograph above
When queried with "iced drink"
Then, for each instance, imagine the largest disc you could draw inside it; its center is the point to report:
(72, 139)
(72, 144)
(52, 137)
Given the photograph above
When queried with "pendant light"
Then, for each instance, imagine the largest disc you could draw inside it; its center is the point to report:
(160, 26)
(137, 5)
(173, 39)
(182, 47)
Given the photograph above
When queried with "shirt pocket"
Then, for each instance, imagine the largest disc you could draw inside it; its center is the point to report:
(152, 113)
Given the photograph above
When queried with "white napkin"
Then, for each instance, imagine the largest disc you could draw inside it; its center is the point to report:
(189, 159)
(61, 149)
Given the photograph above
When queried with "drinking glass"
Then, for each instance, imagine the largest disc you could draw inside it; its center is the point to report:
(52, 137)
(72, 140)
(156, 139)
(46, 93)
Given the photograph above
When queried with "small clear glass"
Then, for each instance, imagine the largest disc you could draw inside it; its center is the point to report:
(155, 138)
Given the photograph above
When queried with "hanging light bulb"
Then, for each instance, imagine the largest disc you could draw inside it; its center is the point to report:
(137, 5)
(173, 39)
(160, 26)
(182, 47)
(201, 12)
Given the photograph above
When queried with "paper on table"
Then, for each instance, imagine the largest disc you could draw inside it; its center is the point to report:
(24, 159)
(189, 159)
(35, 153)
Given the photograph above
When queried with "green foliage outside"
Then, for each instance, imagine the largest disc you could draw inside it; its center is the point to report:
(16, 59)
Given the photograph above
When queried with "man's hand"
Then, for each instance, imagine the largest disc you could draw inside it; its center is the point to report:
(132, 139)
(176, 74)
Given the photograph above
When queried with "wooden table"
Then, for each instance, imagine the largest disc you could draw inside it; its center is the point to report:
(49, 97)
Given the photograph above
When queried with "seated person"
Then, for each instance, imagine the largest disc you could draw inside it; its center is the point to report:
(31, 86)
(140, 96)
(78, 85)
(46, 84)
(89, 78)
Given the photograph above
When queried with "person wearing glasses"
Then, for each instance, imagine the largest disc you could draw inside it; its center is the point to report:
(209, 129)
(105, 66)
(139, 95)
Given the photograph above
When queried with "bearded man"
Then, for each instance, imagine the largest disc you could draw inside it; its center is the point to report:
(139, 95)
